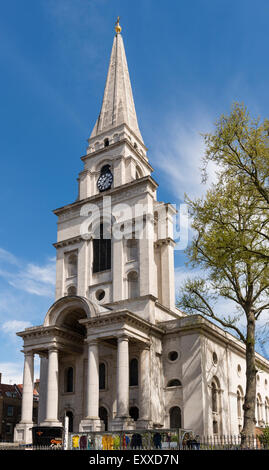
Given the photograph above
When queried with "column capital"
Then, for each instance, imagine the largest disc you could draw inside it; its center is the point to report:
(92, 341)
(28, 353)
(53, 349)
(123, 337)
(145, 347)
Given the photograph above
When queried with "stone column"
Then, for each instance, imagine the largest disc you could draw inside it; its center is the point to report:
(123, 377)
(144, 388)
(93, 381)
(43, 389)
(92, 421)
(52, 389)
(22, 432)
(28, 388)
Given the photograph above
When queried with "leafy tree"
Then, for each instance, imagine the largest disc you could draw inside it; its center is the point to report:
(240, 148)
(228, 246)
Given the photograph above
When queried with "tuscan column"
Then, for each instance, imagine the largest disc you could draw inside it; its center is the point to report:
(123, 377)
(52, 387)
(28, 388)
(144, 385)
(93, 380)
(43, 389)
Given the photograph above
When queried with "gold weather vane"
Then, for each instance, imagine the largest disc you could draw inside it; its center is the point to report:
(117, 25)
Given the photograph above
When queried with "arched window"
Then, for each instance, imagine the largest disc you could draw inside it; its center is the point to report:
(101, 252)
(240, 398)
(259, 409)
(174, 383)
(175, 417)
(106, 142)
(214, 397)
(216, 405)
(69, 380)
(72, 265)
(133, 372)
(132, 279)
(103, 415)
(134, 413)
(102, 376)
(72, 290)
(266, 411)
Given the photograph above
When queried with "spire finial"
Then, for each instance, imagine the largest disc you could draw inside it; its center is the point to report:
(117, 25)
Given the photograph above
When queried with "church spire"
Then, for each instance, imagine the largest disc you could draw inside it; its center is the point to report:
(118, 103)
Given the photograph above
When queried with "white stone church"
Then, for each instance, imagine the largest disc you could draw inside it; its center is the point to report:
(115, 351)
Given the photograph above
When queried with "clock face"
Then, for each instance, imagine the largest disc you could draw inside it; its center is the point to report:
(105, 180)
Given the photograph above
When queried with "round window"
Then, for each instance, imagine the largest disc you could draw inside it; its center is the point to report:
(173, 355)
(100, 294)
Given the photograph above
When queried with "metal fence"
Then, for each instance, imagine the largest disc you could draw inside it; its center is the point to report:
(165, 439)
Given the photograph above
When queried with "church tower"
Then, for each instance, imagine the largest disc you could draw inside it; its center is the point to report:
(115, 243)
(101, 341)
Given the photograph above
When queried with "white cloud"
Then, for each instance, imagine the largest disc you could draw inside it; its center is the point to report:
(30, 277)
(7, 257)
(178, 153)
(12, 372)
(12, 326)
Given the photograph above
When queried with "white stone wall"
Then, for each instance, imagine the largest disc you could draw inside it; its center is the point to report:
(230, 370)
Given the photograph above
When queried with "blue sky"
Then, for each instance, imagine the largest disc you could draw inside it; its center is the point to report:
(188, 62)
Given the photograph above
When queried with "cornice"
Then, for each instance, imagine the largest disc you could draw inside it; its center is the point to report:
(68, 241)
(122, 316)
(164, 241)
(198, 324)
(110, 192)
(49, 332)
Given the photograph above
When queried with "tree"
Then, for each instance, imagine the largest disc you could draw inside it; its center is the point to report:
(240, 148)
(228, 246)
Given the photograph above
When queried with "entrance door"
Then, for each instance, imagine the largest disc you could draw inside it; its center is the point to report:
(103, 415)
(175, 417)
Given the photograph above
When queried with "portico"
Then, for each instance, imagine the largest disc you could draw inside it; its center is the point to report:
(86, 338)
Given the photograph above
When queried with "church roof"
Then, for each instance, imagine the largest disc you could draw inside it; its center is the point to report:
(118, 103)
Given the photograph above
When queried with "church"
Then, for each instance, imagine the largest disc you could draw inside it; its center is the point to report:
(115, 352)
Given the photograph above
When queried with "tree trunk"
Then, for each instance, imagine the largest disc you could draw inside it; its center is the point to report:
(250, 396)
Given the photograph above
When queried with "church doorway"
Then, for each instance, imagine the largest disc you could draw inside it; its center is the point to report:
(134, 413)
(175, 417)
(103, 415)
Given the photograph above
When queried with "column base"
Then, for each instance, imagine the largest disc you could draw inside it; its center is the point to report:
(51, 423)
(91, 424)
(144, 424)
(122, 424)
(23, 433)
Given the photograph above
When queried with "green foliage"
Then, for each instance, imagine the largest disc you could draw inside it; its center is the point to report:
(264, 437)
(231, 225)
